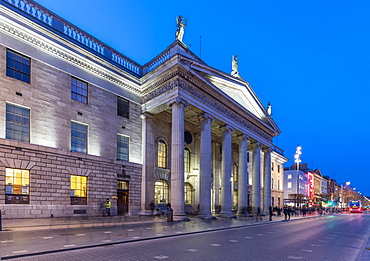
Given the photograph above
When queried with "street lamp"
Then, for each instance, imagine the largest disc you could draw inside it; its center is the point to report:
(341, 196)
(297, 160)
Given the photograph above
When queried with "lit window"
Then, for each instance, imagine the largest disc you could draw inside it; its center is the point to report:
(79, 90)
(123, 185)
(18, 66)
(17, 186)
(78, 190)
(161, 192)
(235, 172)
(189, 193)
(289, 176)
(122, 147)
(187, 160)
(162, 154)
(17, 123)
(289, 184)
(78, 137)
(123, 107)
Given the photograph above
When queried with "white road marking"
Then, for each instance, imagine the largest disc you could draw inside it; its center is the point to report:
(161, 257)
(295, 257)
(307, 250)
(261, 235)
(248, 237)
(148, 228)
(21, 251)
(106, 241)
(69, 245)
(7, 241)
(315, 245)
(130, 230)
(47, 237)
(107, 232)
(136, 237)
(192, 250)
(215, 244)
(80, 235)
(234, 241)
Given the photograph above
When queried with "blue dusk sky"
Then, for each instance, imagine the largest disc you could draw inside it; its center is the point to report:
(310, 59)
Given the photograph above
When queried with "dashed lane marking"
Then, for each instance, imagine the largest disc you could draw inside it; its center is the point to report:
(261, 235)
(80, 235)
(248, 237)
(47, 237)
(315, 245)
(148, 228)
(161, 257)
(192, 250)
(270, 232)
(20, 251)
(295, 257)
(232, 240)
(106, 241)
(307, 250)
(107, 232)
(215, 244)
(130, 230)
(69, 245)
(7, 241)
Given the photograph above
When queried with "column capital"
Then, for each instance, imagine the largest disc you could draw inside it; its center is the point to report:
(243, 137)
(146, 115)
(256, 144)
(226, 128)
(205, 116)
(177, 100)
(267, 149)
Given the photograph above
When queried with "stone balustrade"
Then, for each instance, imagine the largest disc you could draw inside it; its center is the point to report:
(158, 61)
(31, 9)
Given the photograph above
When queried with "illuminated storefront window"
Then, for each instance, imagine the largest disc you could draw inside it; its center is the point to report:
(189, 193)
(78, 190)
(17, 186)
(161, 191)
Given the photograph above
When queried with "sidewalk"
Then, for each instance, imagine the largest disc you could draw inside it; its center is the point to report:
(26, 237)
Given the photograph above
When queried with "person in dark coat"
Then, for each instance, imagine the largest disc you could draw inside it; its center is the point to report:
(270, 213)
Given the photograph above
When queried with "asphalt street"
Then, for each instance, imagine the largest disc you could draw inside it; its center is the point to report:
(330, 237)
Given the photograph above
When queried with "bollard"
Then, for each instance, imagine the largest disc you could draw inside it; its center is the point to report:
(169, 215)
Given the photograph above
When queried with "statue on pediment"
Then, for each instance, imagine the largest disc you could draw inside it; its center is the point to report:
(181, 23)
(269, 109)
(235, 67)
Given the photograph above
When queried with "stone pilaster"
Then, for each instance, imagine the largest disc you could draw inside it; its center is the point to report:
(256, 176)
(226, 193)
(177, 159)
(205, 166)
(266, 180)
(243, 175)
(147, 175)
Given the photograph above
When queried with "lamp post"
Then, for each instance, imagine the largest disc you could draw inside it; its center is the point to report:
(341, 196)
(297, 160)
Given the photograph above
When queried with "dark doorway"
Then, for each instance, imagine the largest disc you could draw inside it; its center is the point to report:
(122, 202)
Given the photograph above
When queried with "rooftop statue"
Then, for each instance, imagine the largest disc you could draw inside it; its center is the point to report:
(234, 67)
(269, 109)
(181, 23)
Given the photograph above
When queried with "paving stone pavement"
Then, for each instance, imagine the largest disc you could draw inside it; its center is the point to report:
(25, 237)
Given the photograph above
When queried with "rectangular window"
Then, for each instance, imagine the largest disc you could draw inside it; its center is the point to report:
(278, 168)
(78, 90)
(123, 107)
(17, 123)
(122, 147)
(289, 184)
(18, 66)
(272, 183)
(78, 137)
(272, 166)
(78, 190)
(17, 186)
(278, 184)
(289, 176)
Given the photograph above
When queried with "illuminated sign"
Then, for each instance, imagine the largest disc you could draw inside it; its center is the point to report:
(310, 189)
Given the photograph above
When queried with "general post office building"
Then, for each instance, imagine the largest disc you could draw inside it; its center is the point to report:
(80, 123)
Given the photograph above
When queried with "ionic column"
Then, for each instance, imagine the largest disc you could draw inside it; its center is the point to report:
(226, 193)
(266, 180)
(177, 159)
(243, 175)
(148, 152)
(205, 166)
(256, 176)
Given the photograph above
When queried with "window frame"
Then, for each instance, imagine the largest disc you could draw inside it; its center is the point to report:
(79, 93)
(187, 160)
(17, 125)
(123, 107)
(162, 154)
(74, 139)
(125, 156)
(78, 200)
(21, 62)
(17, 198)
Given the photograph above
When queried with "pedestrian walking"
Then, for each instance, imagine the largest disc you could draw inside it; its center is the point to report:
(258, 214)
(270, 212)
(152, 206)
(108, 205)
(289, 212)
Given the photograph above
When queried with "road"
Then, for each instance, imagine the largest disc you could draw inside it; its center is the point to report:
(337, 237)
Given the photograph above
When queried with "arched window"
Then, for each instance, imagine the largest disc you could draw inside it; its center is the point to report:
(187, 161)
(189, 193)
(162, 154)
(161, 192)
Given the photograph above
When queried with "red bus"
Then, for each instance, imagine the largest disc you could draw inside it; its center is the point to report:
(355, 206)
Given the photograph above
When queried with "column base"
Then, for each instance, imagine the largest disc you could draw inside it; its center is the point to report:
(226, 214)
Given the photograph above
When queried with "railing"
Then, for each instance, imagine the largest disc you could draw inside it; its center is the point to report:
(158, 61)
(85, 40)
(125, 63)
(30, 9)
(278, 150)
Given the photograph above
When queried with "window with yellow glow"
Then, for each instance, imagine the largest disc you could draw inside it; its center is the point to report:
(189, 193)
(78, 190)
(162, 154)
(161, 192)
(17, 186)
